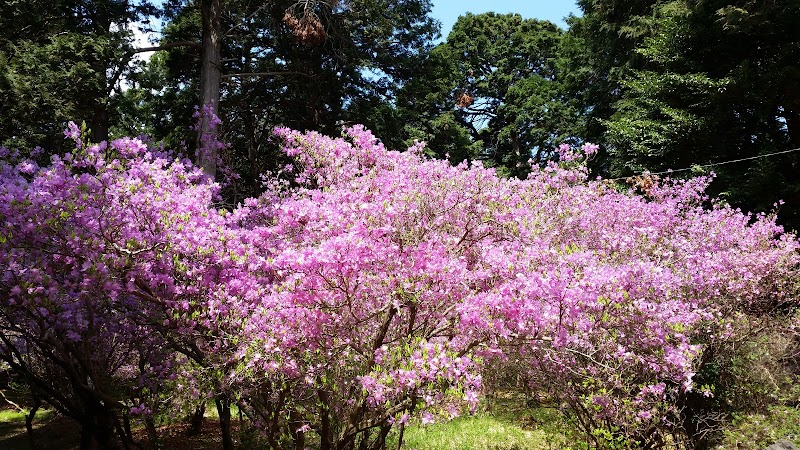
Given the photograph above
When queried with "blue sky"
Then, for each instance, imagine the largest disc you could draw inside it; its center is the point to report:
(447, 11)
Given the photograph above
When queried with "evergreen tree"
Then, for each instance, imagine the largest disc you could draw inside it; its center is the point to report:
(596, 53)
(720, 84)
(59, 61)
(311, 66)
(492, 91)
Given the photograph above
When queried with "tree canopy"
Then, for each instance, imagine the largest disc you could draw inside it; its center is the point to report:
(719, 83)
(657, 84)
(62, 61)
(492, 91)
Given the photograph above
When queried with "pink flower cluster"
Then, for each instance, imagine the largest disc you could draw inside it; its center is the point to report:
(378, 290)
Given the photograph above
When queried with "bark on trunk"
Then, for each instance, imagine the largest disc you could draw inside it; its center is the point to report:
(98, 433)
(210, 76)
(152, 433)
(224, 410)
(298, 436)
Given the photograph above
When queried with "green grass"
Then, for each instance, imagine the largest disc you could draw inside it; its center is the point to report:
(503, 423)
(50, 430)
(12, 416)
(15, 416)
(479, 432)
(212, 413)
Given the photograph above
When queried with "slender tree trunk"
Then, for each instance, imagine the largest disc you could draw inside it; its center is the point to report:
(210, 79)
(365, 437)
(126, 426)
(326, 433)
(400, 438)
(224, 410)
(29, 419)
(252, 156)
(152, 433)
(124, 431)
(299, 437)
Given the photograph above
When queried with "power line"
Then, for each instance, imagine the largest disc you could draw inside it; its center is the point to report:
(703, 166)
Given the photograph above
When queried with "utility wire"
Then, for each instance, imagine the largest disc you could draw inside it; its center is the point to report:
(703, 166)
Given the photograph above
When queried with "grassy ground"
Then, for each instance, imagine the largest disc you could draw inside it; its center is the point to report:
(479, 432)
(50, 430)
(758, 431)
(503, 424)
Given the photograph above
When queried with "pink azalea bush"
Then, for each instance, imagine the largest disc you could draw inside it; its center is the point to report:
(375, 288)
(70, 244)
(115, 273)
(597, 294)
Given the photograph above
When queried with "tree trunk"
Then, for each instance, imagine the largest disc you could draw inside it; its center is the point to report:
(399, 439)
(29, 419)
(152, 433)
(298, 436)
(100, 123)
(124, 434)
(224, 410)
(97, 434)
(210, 79)
(196, 421)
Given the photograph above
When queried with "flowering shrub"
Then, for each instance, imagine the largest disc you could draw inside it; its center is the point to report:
(111, 262)
(373, 293)
(612, 293)
(601, 296)
(69, 242)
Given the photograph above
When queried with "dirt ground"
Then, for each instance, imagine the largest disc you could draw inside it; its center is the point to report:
(60, 433)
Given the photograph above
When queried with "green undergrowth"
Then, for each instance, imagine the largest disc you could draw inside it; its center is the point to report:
(477, 432)
(212, 413)
(758, 431)
(11, 416)
(502, 424)
(49, 428)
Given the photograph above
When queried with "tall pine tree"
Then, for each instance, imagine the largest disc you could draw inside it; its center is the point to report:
(720, 83)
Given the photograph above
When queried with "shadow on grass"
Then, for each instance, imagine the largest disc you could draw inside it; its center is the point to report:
(502, 424)
(50, 432)
(60, 433)
(54, 432)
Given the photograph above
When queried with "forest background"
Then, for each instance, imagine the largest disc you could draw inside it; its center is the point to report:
(658, 85)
